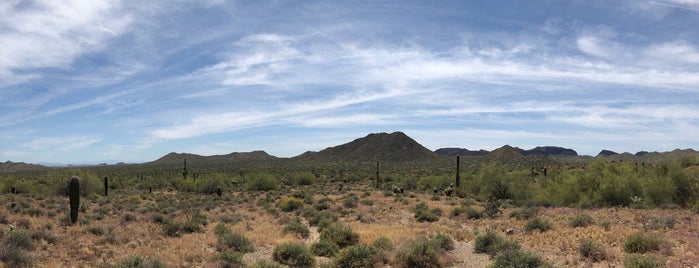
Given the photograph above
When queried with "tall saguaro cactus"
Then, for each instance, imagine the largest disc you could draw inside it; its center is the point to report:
(106, 186)
(185, 171)
(74, 195)
(378, 178)
(458, 170)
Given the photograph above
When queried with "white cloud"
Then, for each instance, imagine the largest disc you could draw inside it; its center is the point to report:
(49, 34)
(59, 144)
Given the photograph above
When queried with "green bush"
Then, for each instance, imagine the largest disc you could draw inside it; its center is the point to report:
(324, 248)
(524, 213)
(443, 242)
(297, 227)
(642, 243)
(537, 223)
(359, 256)
(290, 204)
(261, 182)
(140, 262)
(266, 264)
(230, 258)
(491, 243)
(340, 234)
(423, 213)
(517, 258)
(589, 249)
(642, 261)
(232, 240)
(293, 254)
(582, 220)
(383, 243)
(13, 249)
(425, 252)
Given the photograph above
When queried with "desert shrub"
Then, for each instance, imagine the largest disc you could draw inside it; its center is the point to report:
(383, 243)
(424, 252)
(443, 241)
(302, 178)
(642, 261)
(266, 264)
(581, 220)
(229, 258)
(517, 258)
(290, 204)
(524, 213)
(324, 248)
(658, 222)
(642, 242)
(44, 234)
(14, 247)
(171, 228)
(350, 201)
(128, 217)
(340, 234)
(366, 202)
(297, 227)
(423, 213)
(491, 243)
(96, 230)
(261, 182)
(140, 262)
(359, 256)
(293, 254)
(190, 226)
(234, 241)
(589, 249)
(537, 223)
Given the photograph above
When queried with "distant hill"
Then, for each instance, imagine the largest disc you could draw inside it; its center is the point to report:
(178, 158)
(549, 151)
(513, 158)
(391, 147)
(460, 152)
(606, 153)
(539, 150)
(10, 166)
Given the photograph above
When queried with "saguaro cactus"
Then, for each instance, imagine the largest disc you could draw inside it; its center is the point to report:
(458, 177)
(378, 178)
(74, 195)
(219, 191)
(106, 186)
(185, 171)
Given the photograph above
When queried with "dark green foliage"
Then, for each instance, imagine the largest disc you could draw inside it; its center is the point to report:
(642, 242)
(340, 234)
(518, 259)
(266, 264)
(581, 220)
(359, 256)
(424, 214)
(491, 243)
(539, 223)
(443, 242)
(350, 201)
(642, 261)
(297, 227)
(171, 228)
(524, 213)
(589, 249)
(294, 255)
(229, 240)
(425, 252)
(13, 249)
(230, 259)
(140, 262)
(74, 195)
(262, 182)
(325, 248)
(383, 243)
(290, 204)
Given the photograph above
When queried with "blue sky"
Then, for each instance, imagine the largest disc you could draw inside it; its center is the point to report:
(107, 81)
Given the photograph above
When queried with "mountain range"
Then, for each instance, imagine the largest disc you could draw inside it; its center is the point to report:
(399, 147)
